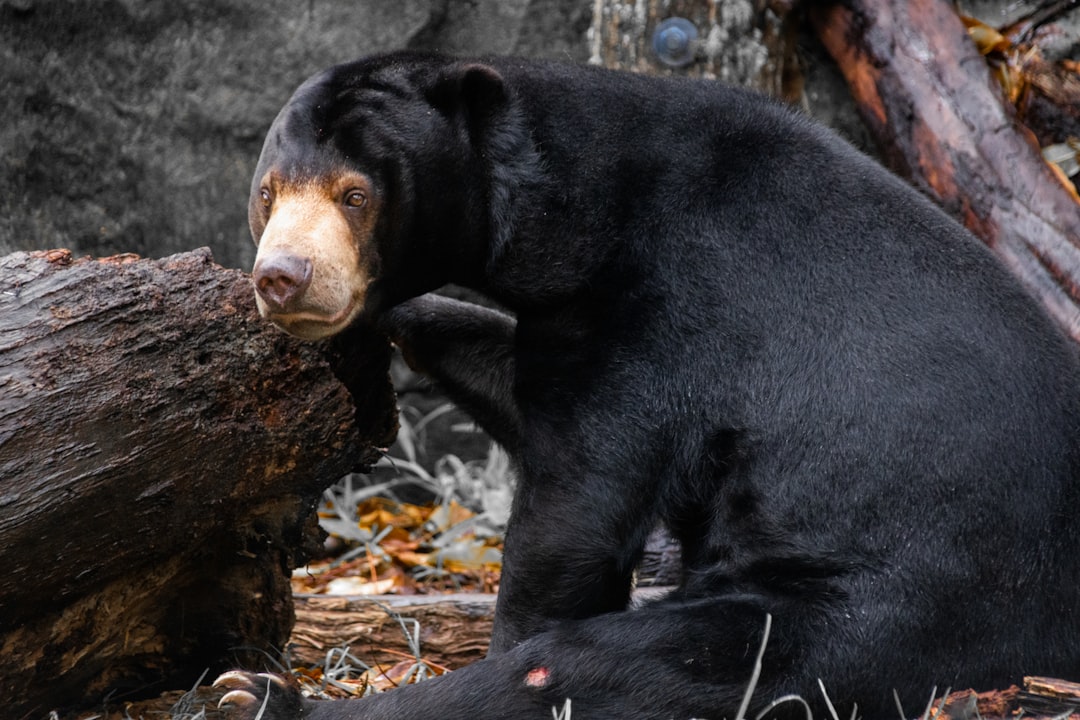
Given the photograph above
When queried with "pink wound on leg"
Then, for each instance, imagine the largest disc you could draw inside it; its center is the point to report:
(538, 677)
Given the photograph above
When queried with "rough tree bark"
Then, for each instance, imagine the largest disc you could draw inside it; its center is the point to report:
(744, 42)
(928, 97)
(161, 452)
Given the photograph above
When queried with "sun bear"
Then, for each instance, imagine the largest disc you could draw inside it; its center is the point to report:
(720, 318)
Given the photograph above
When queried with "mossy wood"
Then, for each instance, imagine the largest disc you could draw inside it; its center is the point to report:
(161, 452)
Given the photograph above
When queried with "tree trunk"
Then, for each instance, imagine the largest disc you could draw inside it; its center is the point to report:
(161, 452)
(744, 42)
(927, 96)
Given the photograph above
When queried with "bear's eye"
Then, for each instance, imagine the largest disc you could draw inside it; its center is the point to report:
(355, 198)
(264, 197)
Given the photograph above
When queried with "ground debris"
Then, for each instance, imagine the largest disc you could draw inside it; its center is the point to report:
(1039, 698)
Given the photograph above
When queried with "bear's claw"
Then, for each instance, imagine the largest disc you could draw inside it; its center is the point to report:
(249, 694)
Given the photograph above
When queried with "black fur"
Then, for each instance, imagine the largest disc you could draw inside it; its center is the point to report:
(470, 349)
(730, 322)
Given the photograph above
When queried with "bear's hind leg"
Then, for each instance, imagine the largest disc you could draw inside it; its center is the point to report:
(678, 659)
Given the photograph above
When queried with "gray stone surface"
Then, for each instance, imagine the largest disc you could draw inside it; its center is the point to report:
(134, 125)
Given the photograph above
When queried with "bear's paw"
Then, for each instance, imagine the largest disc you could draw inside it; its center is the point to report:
(259, 695)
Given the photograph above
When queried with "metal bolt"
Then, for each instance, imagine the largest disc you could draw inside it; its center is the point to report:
(673, 42)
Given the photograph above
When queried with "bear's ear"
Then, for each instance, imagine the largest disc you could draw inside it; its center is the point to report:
(474, 90)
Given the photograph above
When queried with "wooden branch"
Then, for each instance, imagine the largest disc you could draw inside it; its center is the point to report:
(1050, 104)
(927, 96)
(1045, 12)
(1053, 688)
(1041, 699)
(161, 452)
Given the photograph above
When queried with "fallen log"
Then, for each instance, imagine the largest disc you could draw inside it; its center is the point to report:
(453, 630)
(940, 120)
(161, 453)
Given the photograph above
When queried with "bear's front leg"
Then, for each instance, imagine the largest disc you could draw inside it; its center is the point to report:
(582, 511)
(580, 520)
(468, 350)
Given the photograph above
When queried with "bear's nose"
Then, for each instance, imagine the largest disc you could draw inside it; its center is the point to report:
(281, 279)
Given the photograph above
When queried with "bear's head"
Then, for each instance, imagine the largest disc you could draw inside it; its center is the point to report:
(373, 186)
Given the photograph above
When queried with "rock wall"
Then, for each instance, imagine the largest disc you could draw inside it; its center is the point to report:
(134, 125)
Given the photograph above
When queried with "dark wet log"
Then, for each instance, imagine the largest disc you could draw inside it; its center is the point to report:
(928, 97)
(161, 452)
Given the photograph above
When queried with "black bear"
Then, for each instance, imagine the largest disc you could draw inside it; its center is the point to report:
(725, 320)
